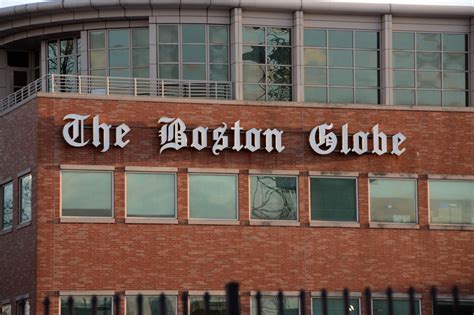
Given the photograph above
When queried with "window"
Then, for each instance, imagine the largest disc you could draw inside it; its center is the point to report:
(87, 193)
(151, 305)
(333, 199)
(6, 309)
(7, 206)
(393, 200)
(400, 307)
(335, 306)
(341, 66)
(151, 195)
(119, 53)
(269, 303)
(25, 198)
(447, 308)
(451, 202)
(430, 69)
(266, 55)
(64, 55)
(216, 305)
(212, 196)
(23, 307)
(83, 305)
(193, 52)
(274, 197)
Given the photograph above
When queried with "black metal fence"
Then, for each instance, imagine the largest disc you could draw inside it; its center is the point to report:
(233, 302)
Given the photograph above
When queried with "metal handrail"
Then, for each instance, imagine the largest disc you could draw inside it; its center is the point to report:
(69, 83)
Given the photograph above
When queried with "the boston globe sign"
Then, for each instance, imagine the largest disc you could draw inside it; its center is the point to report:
(174, 135)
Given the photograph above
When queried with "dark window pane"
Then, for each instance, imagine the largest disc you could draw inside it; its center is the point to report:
(168, 53)
(218, 34)
(454, 98)
(367, 40)
(315, 76)
(67, 65)
(140, 57)
(367, 96)
(67, 47)
(366, 59)
(279, 74)
(455, 42)
(404, 97)
(428, 79)
(279, 55)
(118, 38)
(270, 305)
(400, 307)
(447, 308)
(52, 66)
(52, 49)
(428, 41)
(18, 59)
(194, 53)
(254, 92)
(314, 38)
(314, 57)
(341, 77)
(253, 35)
(340, 58)
(168, 33)
(194, 33)
(279, 93)
(341, 95)
(278, 36)
(253, 54)
(403, 79)
(340, 39)
(194, 72)
(254, 74)
(403, 41)
(217, 305)
(273, 197)
(315, 94)
(428, 98)
(83, 305)
(151, 305)
(20, 78)
(333, 199)
(141, 72)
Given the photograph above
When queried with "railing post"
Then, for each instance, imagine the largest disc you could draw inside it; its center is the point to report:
(107, 85)
(135, 86)
(80, 84)
(52, 83)
(162, 88)
(189, 89)
(215, 89)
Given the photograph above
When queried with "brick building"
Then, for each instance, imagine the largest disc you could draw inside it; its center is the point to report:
(150, 147)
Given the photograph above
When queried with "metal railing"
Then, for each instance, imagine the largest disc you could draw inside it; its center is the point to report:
(79, 84)
(232, 303)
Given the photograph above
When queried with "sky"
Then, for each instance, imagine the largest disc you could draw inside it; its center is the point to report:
(8, 3)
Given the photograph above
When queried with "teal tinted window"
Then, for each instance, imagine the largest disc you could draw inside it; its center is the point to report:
(314, 38)
(448, 308)
(140, 38)
(151, 195)
(218, 34)
(86, 193)
(25, 198)
(403, 41)
(335, 306)
(451, 202)
(315, 94)
(333, 199)
(366, 39)
(83, 305)
(273, 197)
(194, 33)
(253, 35)
(400, 307)
(393, 200)
(340, 39)
(270, 305)
(168, 33)
(151, 305)
(212, 196)
(119, 38)
(6, 192)
(455, 42)
(428, 41)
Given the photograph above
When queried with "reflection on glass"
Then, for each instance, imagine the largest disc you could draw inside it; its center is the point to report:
(219, 72)
(273, 197)
(97, 59)
(270, 305)
(194, 53)
(454, 98)
(455, 42)
(278, 74)
(393, 200)
(217, 305)
(140, 57)
(402, 79)
(278, 36)
(118, 58)
(341, 95)
(254, 92)
(25, 198)
(366, 39)
(118, 38)
(255, 54)
(140, 37)
(428, 41)
(279, 93)
(7, 206)
(168, 53)
(279, 55)
(404, 97)
(367, 96)
(403, 41)
(366, 58)
(451, 201)
(454, 80)
(218, 53)
(194, 33)
(254, 74)
(218, 34)
(83, 305)
(453, 61)
(168, 33)
(427, 97)
(67, 47)
(253, 35)
(364, 77)
(341, 77)
(403, 60)
(428, 79)
(428, 61)
(97, 39)
(314, 57)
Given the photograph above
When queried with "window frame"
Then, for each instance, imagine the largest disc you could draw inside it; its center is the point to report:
(76, 54)
(388, 223)
(20, 198)
(273, 221)
(396, 297)
(147, 293)
(139, 219)
(332, 222)
(213, 220)
(2, 209)
(289, 294)
(337, 295)
(449, 298)
(90, 294)
(98, 219)
(200, 294)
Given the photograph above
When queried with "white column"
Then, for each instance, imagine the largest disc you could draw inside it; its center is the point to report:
(236, 68)
(386, 74)
(298, 56)
(471, 63)
(152, 29)
(84, 53)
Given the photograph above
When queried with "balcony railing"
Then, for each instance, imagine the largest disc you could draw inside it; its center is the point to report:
(78, 84)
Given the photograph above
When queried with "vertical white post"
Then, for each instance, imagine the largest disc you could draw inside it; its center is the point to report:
(84, 55)
(107, 88)
(236, 68)
(80, 84)
(386, 75)
(52, 83)
(471, 63)
(162, 88)
(298, 56)
(135, 86)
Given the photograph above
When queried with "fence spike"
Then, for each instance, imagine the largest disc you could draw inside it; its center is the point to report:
(258, 299)
(70, 305)
(456, 300)
(117, 303)
(302, 302)
(389, 293)
(280, 302)
(184, 301)
(324, 304)
(368, 301)
(411, 296)
(46, 304)
(162, 304)
(345, 294)
(94, 305)
(207, 304)
(139, 304)
(232, 298)
(434, 298)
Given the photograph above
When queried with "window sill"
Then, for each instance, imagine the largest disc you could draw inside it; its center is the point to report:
(213, 222)
(275, 223)
(344, 224)
(389, 225)
(145, 220)
(465, 227)
(86, 220)
(23, 224)
(6, 231)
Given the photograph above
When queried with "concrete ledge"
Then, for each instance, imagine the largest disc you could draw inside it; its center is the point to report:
(333, 174)
(396, 295)
(150, 169)
(274, 293)
(334, 224)
(86, 220)
(336, 294)
(274, 172)
(213, 222)
(389, 225)
(214, 170)
(451, 177)
(5, 301)
(6, 231)
(275, 222)
(145, 220)
(454, 227)
(74, 167)
(87, 292)
(393, 175)
(200, 293)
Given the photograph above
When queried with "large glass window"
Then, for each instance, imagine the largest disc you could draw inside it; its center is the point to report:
(333, 199)
(274, 197)
(83, 305)
(151, 305)
(119, 53)
(7, 206)
(193, 52)
(216, 305)
(447, 308)
(400, 307)
(151, 195)
(64, 56)
(430, 69)
(213, 196)
(393, 200)
(25, 198)
(451, 201)
(87, 193)
(341, 66)
(335, 306)
(269, 303)
(266, 54)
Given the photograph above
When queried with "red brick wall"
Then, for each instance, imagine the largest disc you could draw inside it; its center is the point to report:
(176, 257)
(18, 152)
